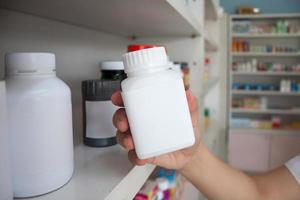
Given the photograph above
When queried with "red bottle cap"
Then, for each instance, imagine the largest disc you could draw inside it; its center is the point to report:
(136, 47)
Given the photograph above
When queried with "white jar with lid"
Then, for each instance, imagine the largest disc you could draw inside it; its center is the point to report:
(155, 103)
(39, 124)
(5, 171)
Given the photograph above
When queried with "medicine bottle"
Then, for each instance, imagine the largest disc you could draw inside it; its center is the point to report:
(5, 169)
(155, 103)
(39, 124)
(112, 70)
(98, 110)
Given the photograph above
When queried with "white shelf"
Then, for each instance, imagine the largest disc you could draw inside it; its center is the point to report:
(211, 10)
(265, 93)
(210, 45)
(139, 17)
(265, 54)
(102, 173)
(266, 73)
(267, 111)
(209, 41)
(266, 131)
(265, 35)
(207, 86)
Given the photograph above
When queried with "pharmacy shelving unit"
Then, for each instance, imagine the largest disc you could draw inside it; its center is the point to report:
(83, 33)
(258, 150)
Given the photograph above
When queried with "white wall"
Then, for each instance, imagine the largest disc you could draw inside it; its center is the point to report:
(78, 51)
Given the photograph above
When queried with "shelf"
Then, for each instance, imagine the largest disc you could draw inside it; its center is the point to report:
(265, 35)
(267, 111)
(210, 45)
(139, 17)
(266, 16)
(266, 131)
(211, 10)
(265, 93)
(209, 42)
(102, 173)
(265, 54)
(261, 73)
(208, 86)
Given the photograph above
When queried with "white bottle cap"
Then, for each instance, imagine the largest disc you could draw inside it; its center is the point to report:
(146, 59)
(30, 63)
(112, 65)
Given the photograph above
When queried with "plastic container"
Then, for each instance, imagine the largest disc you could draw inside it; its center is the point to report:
(40, 124)
(98, 112)
(5, 169)
(156, 104)
(112, 70)
(98, 130)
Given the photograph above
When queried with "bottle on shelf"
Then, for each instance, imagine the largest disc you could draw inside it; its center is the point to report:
(6, 191)
(98, 131)
(39, 124)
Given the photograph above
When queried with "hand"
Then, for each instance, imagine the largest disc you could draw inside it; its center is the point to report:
(173, 160)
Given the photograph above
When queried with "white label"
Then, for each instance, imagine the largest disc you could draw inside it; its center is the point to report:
(99, 119)
(159, 118)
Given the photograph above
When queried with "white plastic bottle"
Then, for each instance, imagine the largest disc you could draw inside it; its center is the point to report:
(156, 104)
(39, 124)
(5, 171)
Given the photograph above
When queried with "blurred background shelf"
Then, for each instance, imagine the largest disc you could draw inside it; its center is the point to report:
(267, 111)
(265, 35)
(253, 54)
(265, 93)
(265, 73)
(270, 71)
(268, 131)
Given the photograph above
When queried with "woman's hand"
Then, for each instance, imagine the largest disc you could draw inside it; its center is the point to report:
(174, 160)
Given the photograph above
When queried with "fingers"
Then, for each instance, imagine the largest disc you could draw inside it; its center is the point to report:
(193, 103)
(135, 160)
(125, 140)
(116, 99)
(120, 120)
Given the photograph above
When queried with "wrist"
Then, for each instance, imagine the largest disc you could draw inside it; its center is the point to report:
(195, 159)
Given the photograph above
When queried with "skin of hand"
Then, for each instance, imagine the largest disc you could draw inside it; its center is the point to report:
(174, 160)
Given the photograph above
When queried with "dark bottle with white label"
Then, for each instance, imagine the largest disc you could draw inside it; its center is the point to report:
(98, 110)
